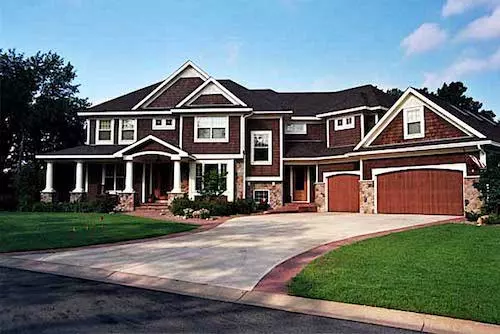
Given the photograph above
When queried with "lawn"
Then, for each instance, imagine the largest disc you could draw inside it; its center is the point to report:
(31, 231)
(451, 270)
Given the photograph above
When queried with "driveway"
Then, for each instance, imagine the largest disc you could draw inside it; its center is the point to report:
(236, 254)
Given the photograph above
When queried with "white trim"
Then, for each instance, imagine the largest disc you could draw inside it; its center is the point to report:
(151, 179)
(362, 123)
(264, 178)
(104, 142)
(266, 190)
(181, 129)
(230, 177)
(86, 166)
(121, 141)
(317, 174)
(217, 156)
(124, 113)
(180, 152)
(211, 140)
(344, 125)
(87, 128)
(170, 80)
(291, 184)
(269, 160)
(393, 111)
(305, 118)
(143, 184)
(301, 132)
(376, 118)
(462, 167)
(265, 112)
(198, 91)
(344, 111)
(281, 147)
(328, 132)
(308, 184)
(154, 126)
(210, 110)
(421, 120)
(75, 156)
(173, 157)
(327, 175)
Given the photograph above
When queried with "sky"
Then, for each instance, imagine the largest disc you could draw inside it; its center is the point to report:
(117, 46)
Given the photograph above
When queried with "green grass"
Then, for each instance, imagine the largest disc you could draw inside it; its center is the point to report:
(451, 270)
(34, 231)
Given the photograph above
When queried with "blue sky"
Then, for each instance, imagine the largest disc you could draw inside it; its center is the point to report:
(287, 45)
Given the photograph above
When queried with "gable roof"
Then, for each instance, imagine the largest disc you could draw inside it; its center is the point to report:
(125, 102)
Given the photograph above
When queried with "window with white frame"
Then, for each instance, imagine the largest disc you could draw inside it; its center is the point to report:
(104, 128)
(166, 123)
(344, 123)
(296, 128)
(203, 169)
(261, 147)
(128, 131)
(414, 123)
(113, 177)
(211, 129)
(261, 195)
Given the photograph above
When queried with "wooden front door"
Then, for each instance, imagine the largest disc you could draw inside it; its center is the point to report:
(162, 180)
(424, 191)
(299, 181)
(343, 193)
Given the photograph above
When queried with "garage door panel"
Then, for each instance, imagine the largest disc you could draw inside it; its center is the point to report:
(343, 193)
(421, 192)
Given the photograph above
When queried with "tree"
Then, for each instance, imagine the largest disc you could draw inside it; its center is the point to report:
(38, 109)
(214, 184)
(489, 185)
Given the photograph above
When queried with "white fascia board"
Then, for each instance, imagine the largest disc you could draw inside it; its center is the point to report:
(124, 113)
(326, 175)
(345, 111)
(266, 112)
(305, 118)
(159, 141)
(330, 157)
(225, 92)
(168, 80)
(217, 156)
(264, 178)
(73, 156)
(222, 110)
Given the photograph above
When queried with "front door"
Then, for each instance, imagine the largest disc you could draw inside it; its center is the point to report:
(299, 181)
(162, 180)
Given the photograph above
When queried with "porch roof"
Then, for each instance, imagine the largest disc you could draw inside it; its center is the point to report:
(83, 151)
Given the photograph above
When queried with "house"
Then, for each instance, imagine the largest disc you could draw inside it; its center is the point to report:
(355, 150)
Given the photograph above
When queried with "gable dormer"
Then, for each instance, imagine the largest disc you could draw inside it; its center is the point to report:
(210, 94)
(414, 118)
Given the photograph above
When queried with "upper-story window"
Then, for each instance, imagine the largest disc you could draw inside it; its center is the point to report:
(261, 147)
(296, 128)
(105, 130)
(414, 123)
(344, 123)
(211, 129)
(128, 131)
(166, 123)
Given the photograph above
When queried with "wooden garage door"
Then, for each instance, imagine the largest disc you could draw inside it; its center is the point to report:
(425, 191)
(343, 193)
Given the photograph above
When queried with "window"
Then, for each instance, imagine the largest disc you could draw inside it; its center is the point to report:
(86, 127)
(211, 129)
(344, 123)
(114, 177)
(261, 153)
(202, 169)
(261, 196)
(163, 123)
(413, 120)
(105, 130)
(296, 128)
(128, 131)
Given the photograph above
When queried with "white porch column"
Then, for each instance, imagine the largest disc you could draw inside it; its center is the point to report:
(49, 178)
(79, 178)
(129, 177)
(177, 177)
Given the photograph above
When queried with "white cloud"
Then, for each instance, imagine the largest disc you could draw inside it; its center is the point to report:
(455, 7)
(427, 37)
(485, 27)
(461, 68)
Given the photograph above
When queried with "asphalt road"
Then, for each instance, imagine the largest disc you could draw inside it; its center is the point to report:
(41, 303)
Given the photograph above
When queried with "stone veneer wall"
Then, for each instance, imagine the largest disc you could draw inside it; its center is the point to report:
(319, 196)
(77, 197)
(275, 192)
(366, 196)
(239, 170)
(48, 197)
(125, 202)
(472, 201)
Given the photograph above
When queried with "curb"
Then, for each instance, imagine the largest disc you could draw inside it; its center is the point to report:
(352, 312)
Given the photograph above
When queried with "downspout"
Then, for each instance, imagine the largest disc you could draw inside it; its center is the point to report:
(244, 154)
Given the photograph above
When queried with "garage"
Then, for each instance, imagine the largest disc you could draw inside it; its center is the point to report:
(343, 193)
(421, 191)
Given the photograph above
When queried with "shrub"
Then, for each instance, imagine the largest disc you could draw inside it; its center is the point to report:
(102, 204)
(472, 216)
(180, 203)
(188, 212)
(489, 186)
(217, 207)
(202, 214)
(493, 219)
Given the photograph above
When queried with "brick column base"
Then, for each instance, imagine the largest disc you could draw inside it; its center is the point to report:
(319, 197)
(77, 197)
(366, 196)
(126, 202)
(48, 197)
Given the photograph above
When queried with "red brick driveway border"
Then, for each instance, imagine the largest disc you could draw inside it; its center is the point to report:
(276, 281)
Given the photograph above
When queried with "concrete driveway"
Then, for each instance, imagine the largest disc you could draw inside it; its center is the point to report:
(236, 254)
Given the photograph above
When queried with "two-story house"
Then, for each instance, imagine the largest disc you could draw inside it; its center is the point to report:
(355, 150)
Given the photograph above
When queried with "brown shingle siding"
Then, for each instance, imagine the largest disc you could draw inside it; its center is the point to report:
(231, 147)
(264, 124)
(315, 132)
(145, 128)
(340, 167)
(211, 99)
(345, 137)
(176, 93)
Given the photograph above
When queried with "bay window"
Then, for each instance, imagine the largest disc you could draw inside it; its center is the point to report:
(261, 151)
(211, 129)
